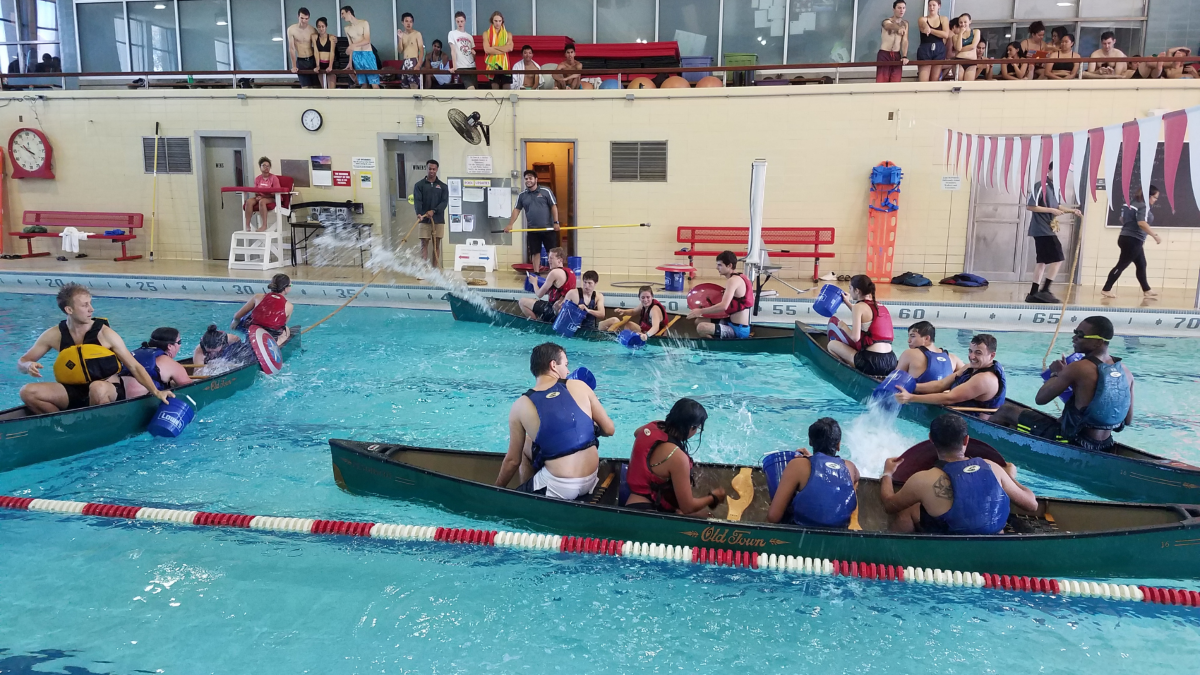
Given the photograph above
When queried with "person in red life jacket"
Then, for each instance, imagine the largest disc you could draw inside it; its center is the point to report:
(659, 477)
(737, 302)
(979, 384)
(589, 300)
(552, 431)
(818, 488)
(269, 311)
(649, 316)
(549, 296)
(958, 495)
(866, 342)
(157, 356)
(262, 201)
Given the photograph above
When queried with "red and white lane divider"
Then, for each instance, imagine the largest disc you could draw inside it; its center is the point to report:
(628, 549)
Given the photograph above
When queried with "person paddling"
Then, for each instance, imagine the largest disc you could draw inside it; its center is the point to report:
(660, 467)
(157, 356)
(269, 311)
(818, 487)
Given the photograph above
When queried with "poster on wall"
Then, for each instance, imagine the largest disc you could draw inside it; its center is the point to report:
(362, 163)
(1187, 212)
(341, 179)
(479, 164)
(366, 180)
(322, 170)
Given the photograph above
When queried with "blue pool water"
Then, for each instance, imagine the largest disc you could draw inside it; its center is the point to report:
(119, 597)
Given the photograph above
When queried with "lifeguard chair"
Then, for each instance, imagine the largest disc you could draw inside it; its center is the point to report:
(263, 250)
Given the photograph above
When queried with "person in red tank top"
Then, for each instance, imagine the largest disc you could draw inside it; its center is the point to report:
(270, 311)
(865, 342)
(659, 477)
(262, 201)
(548, 297)
(737, 302)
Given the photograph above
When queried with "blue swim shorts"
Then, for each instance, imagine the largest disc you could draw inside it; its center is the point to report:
(365, 61)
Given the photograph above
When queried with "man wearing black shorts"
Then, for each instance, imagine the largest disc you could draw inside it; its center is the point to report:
(541, 212)
(1043, 208)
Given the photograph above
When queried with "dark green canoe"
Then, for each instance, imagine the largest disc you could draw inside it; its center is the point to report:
(1125, 473)
(507, 313)
(1062, 538)
(27, 439)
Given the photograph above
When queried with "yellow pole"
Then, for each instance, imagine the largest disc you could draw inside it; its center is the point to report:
(579, 227)
(154, 193)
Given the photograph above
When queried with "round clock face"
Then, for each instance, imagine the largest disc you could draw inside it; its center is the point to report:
(311, 119)
(28, 150)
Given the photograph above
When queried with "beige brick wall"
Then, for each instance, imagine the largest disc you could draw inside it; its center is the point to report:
(821, 142)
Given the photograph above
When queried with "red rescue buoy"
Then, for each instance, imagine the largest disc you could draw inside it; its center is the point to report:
(706, 295)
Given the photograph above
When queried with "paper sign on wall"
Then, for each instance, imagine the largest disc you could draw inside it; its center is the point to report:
(322, 166)
(499, 202)
(455, 187)
(366, 180)
(456, 223)
(473, 195)
(468, 224)
(362, 163)
(484, 183)
(951, 182)
(479, 164)
(341, 179)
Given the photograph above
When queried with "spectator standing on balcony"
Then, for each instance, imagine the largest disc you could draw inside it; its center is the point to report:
(300, 36)
(568, 63)
(966, 46)
(1062, 71)
(1106, 70)
(412, 50)
(530, 80)
(933, 42)
(893, 45)
(1014, 71)
(436, 59)
(358, 35)
(462, 51)
(497, 43)
(322, 46)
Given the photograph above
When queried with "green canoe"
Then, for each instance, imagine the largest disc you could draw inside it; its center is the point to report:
(27, 439)
(507, 313)
(1125, 473)
(1063, 538)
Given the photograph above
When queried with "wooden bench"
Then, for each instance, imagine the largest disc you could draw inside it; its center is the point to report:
(79, 220)
(776, 239)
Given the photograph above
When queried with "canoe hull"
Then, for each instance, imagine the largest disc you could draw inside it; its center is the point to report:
(1104, 474)
(1162, 551)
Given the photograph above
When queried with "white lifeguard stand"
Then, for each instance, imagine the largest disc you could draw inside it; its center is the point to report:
(263, 250)
(475, 253)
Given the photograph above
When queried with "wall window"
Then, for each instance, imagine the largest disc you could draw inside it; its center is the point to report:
(980, 10)
(30, 36)
(434, 19)
(624, 21)
(152, 35)
(466, 7)
(694, 24)
(103, 46)
(572, 18)
(378, 13)
(819, 31)
(257, 35)
(204, 34)
(518, 17)
(755, 27)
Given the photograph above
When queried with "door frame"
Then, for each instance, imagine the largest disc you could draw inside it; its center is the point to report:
(1022, 252)
(385, 174)
(201, 181)
(574, 168)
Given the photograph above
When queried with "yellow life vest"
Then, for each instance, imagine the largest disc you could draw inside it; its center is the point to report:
(85, 363)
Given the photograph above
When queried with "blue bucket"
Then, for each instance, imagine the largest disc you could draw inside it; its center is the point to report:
(631, 339)
(583, 375)
(568, 320)
(545, 257)
(828, 300)
(773, 466)
(576, 264)
(244, 323)
(1066, 395)
(529, 285)
(171, 418)
(884, 394)
(674, 281)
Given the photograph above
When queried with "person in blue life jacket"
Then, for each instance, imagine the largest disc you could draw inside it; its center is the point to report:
(924, 361)
(979, 386)
(959, 495)
(1101, 399)
(818, 487)
(589, 300)
(157, 356)
(552, 431)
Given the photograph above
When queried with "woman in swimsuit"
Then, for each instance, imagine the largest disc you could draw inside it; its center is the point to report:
(966, 45)
(1014, 71)
(933, 42)
(322, 46)
(1062, 71)
(1034, 47)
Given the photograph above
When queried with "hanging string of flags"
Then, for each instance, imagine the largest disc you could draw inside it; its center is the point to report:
(1017, 163)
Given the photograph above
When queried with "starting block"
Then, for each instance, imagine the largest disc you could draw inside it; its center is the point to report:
(475, 253)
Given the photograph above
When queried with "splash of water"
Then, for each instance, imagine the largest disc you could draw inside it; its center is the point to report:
(872, 437)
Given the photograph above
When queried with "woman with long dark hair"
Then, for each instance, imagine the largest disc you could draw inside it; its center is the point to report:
(865, 342)
(157, 356)
(1136, 217)
(660, 469)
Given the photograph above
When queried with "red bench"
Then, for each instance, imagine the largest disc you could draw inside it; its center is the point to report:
(776, 239)
(78, 220)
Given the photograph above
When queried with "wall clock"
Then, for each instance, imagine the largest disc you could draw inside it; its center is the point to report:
(31, 154)
(311, 119)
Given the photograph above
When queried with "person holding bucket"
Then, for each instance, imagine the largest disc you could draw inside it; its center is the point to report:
(548, 296)
(649, 316)
(660, 467)
(817, 489)
(589, 300)
(157, 356)
(865, 342)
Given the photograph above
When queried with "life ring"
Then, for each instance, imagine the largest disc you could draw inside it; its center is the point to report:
(269, 357)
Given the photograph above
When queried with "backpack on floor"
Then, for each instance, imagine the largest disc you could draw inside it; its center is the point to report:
(965, 279)
(911, 279)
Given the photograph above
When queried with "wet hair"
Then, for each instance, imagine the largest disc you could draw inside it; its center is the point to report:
(303, 11)
(591, 275)
(407, 15)
(863, 284)
(460, 13)
(432, 161)
(542, 355)
(685, 415)
(66, 295)
(570, 47)
(1108, 35)
(323, 20)
(529, 172)
(558, 251)
(162, 338)
(825, 436)
(265, 159)
(1100, 325)
(1037, 27)
(924, 329)
(728, 259)
(214, 339)
(987, 340)
(948, 432)
(279, 282)
(348, 9)
(646, 289)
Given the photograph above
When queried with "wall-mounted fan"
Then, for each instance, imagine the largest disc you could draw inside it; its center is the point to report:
(469, 127)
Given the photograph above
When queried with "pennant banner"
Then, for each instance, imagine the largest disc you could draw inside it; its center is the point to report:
(1174, 127)
(1096, 139)
(1148, 128)
(1112, 149)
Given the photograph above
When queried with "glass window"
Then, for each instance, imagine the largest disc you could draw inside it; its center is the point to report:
(152, 35)
(9, 54)
(378, 13)
(1128, 35)
(257, 35)
(8, 21)
(102, 47)
(626, 21)
(572, 18)
(871, 14)
(433, 18)
(1172, 23)
(204, 34)
(997, 39)
(42, 58)
(518, 16)
(691, 23)
(820, 31)
(39, 20)
(1044, 10)
(1091, 9)
(466, 7)
(756, 27)
(980, 10)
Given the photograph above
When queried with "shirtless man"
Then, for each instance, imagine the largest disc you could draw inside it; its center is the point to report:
(1178, 70)
(737, 301)
(412, 50)
(568, 63)
(358, 34)
(103, 366)
(893, 45)
(1107, 70)
(532, 77)
(980, 385)
(300, 36)
(552, 431)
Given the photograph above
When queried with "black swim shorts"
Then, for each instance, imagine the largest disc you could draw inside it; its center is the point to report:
(544, 311)
(875, 364)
